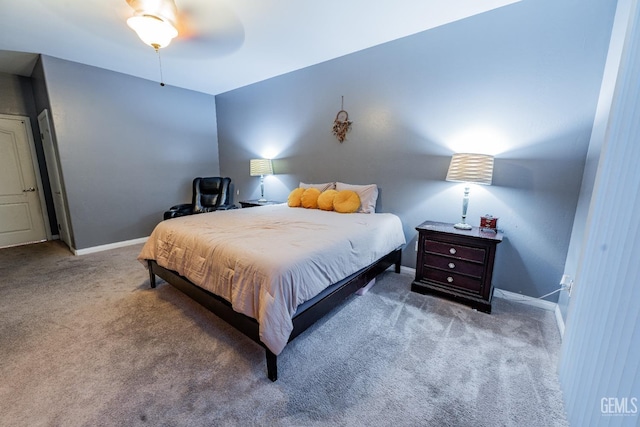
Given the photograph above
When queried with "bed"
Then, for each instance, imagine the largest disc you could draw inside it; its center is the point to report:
(272, 271)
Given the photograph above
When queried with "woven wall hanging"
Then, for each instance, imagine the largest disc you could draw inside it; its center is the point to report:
(341, 125)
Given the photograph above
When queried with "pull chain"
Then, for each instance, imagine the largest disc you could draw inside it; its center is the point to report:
(157, 48)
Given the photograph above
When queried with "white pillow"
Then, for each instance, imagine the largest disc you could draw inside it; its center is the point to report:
(368, 195)
(321, 187)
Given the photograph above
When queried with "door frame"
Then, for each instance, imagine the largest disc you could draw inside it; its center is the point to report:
(52, 160)
(36, 170)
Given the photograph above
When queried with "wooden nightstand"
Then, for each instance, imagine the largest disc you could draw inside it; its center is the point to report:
(254, 203)
(456, 264)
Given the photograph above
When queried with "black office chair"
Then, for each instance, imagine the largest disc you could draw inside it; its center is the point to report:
(209, 195)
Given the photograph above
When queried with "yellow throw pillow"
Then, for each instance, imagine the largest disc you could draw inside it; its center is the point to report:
(310, 198)
(294, 199)
(346, 201)
(325, 200)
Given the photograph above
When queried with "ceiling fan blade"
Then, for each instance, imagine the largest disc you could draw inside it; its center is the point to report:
(198, 19)
(186, 26)
(207, 26)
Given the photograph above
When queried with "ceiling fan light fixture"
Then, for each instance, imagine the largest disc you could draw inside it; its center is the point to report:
(153, 30)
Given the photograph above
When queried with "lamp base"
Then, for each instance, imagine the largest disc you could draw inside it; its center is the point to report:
(462, 226)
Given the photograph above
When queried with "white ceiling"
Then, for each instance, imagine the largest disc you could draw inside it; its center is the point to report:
(236, 42)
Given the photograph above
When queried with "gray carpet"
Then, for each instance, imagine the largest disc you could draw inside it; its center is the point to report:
(84, 341)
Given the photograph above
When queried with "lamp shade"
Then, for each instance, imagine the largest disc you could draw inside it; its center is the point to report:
(474, 168)
(260, 167)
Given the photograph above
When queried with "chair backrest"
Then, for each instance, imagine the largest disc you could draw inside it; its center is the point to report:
(210, 193)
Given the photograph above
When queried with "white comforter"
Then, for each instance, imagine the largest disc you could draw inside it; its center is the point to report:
(268, 260)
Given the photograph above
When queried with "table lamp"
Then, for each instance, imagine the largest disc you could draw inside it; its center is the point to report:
(261, 167)
(470, 169)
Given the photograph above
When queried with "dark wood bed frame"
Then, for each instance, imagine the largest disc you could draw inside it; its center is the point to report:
(301, 321)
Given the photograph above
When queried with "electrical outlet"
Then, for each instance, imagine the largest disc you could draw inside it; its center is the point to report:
(566, 283)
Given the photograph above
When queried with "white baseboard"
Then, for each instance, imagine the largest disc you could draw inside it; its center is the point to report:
(109, 246)
(559, 321)
(524, 299)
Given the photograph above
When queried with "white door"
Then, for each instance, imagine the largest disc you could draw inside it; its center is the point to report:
(55, 179)
(21, 218)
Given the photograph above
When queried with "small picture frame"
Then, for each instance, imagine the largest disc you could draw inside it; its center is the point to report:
(489, 223)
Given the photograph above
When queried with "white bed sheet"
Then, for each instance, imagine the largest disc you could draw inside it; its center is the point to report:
(268, 260)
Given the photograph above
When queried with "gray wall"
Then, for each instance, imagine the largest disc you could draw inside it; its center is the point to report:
(128, 148)
(520, 82)
(16, 96)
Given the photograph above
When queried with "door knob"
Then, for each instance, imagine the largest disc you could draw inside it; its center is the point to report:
(29, 190)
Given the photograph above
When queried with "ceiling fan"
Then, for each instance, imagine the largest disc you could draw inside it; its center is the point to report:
(154, 21)
(196, 25)
(200, 27)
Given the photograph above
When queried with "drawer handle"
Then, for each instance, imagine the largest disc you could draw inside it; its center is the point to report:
(452, 251)
(452, 265)
(450, 279)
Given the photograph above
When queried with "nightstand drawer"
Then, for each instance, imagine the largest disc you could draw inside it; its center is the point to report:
(453, 265)
(454, 250)
(453, 280)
